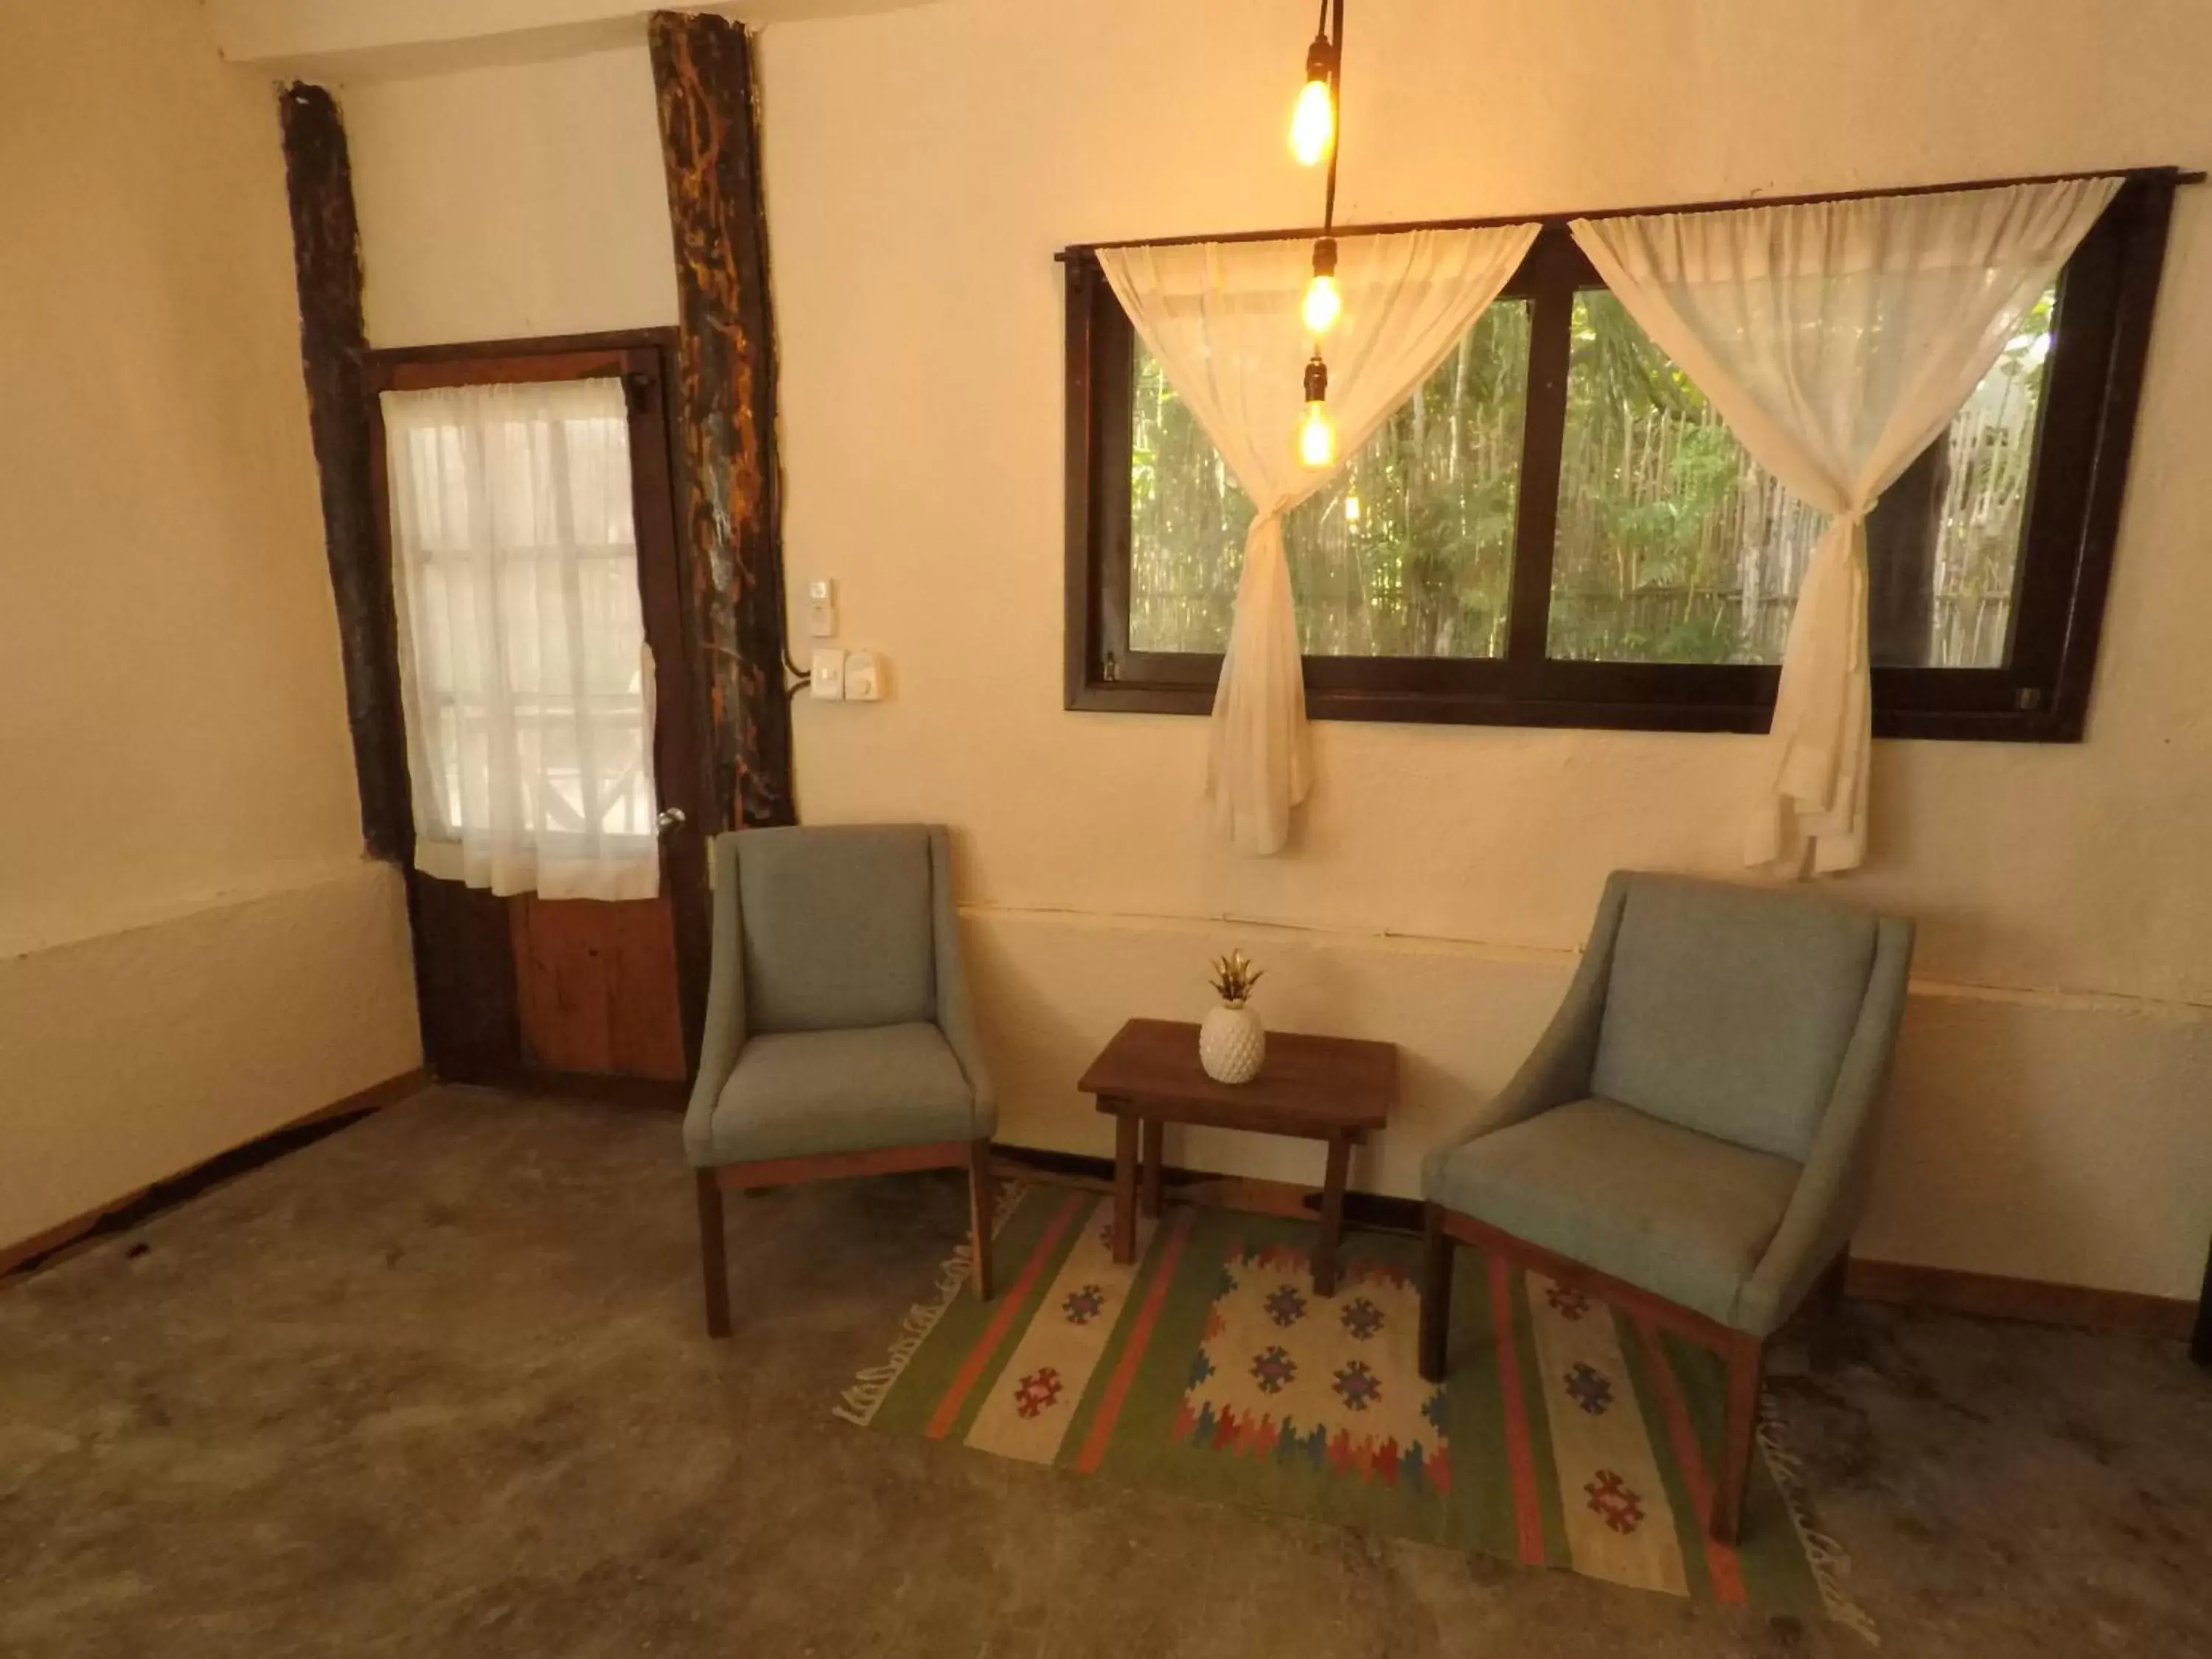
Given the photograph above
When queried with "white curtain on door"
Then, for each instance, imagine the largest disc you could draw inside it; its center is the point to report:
(523, 675)
(1838, 339)
(1222, 318)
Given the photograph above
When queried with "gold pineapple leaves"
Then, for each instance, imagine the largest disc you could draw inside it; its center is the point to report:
(1233, 978)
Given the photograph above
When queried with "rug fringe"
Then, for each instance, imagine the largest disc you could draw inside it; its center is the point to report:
(1823, 1554)
(871, 1383)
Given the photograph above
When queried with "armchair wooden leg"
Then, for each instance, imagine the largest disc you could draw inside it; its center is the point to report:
(982, 1203)
(1436, 1292)
(1746, 1359)
(713, 1259)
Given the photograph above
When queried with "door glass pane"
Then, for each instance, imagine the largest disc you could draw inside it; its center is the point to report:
(1407, 551)
(522, 641)
(1675, 546)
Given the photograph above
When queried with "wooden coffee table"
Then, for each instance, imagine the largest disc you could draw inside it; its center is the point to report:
(1316, 1088)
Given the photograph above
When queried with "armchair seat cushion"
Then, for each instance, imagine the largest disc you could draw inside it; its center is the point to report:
(805, 1094)
(1667, 1209)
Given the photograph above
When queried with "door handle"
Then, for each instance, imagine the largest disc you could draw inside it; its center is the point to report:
(671, 816)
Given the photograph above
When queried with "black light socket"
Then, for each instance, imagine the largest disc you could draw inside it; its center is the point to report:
(1320, 60)
(1317, 380)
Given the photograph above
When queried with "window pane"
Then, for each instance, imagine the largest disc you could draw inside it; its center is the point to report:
(1674, 546)
(515, 572)
(1187, 523)
(1407, 552)
(1985, 476)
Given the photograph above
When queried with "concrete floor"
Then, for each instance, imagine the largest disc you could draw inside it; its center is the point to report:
(436, 1386)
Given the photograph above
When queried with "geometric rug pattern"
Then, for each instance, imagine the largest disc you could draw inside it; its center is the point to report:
(1567, 1434)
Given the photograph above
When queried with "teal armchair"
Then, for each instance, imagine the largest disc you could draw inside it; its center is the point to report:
(839, 1038)
(1693, 1136)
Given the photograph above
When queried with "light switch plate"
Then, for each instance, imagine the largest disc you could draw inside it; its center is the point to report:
(822, 608)
(827, 682)
(863, 677)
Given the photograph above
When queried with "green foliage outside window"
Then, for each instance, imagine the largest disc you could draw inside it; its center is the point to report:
(1672, 544)
(1407, 551)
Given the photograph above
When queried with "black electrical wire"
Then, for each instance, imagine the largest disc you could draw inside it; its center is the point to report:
(1336, 109)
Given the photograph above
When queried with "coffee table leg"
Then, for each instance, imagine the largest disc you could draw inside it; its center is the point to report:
(1156, 1136)
(1125, 1189)
(1332, 1216)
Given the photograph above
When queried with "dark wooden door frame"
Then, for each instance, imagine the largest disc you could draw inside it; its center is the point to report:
(327, 271)
(732, 522)
(482, 1043)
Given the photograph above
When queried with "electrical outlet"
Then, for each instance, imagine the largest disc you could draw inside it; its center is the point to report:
(826, 682)
(864, 680)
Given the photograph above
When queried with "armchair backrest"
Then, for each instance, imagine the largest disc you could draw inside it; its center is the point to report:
(837, 926)
(1728, 1008)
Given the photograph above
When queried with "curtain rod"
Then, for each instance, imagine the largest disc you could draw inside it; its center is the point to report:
(2169, 174)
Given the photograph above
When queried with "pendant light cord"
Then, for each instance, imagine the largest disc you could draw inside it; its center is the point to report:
(1336, 102)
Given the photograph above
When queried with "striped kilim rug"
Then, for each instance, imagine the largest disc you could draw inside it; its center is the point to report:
(1568, 1434)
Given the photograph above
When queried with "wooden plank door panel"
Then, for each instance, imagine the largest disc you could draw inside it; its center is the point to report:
(596, 986)
(523, 989)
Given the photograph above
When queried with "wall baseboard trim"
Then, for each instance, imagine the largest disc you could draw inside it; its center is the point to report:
(654, 1094)
(1990, 1296)
(2033, 1301)
(2117, 1312)
(128, 1210)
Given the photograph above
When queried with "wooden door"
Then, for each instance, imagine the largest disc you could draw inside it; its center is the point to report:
(524, 990)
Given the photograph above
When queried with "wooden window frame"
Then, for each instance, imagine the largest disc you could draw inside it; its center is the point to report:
(2086, 426)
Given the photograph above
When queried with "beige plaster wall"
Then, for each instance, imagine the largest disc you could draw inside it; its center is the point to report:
(318, 37)
(133, 1055)
(2051, 1114)
(503, 203)
(2050, 1117)
(191, 948)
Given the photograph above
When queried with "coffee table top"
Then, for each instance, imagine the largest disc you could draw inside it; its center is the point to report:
(1316, 1086)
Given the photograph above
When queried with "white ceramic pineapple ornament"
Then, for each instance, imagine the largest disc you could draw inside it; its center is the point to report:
(1232, 1043)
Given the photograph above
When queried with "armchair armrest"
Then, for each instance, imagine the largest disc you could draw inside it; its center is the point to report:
(724, 1037)
(1831, 1188)
(1558, 1069)
(955, 1009)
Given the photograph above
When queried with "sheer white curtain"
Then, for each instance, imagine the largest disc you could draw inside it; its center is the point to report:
(1222, 318)
(1838, 339)
(523, 675)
